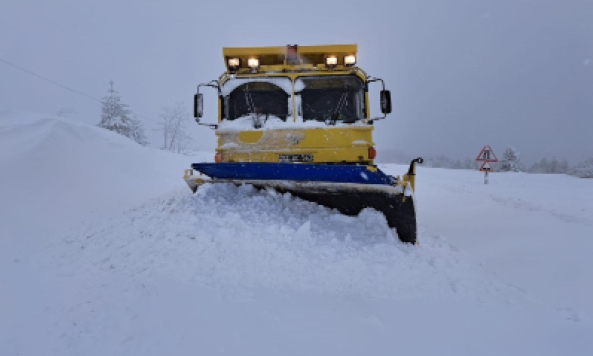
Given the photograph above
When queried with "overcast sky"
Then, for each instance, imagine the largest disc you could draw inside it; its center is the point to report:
(463, 73)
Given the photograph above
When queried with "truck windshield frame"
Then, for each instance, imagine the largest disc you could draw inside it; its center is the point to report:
(261, 97)
(330, 98)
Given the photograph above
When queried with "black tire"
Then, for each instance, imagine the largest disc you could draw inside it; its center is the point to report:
(402, 217)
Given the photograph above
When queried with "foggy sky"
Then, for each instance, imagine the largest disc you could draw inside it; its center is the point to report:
(463, 73)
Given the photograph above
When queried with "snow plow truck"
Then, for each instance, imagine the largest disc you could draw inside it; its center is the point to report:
(297, 119)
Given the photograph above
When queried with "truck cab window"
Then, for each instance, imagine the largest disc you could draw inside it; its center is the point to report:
(257, 97)
(331, 97)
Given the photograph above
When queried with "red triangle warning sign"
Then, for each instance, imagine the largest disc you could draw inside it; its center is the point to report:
(487, 155)
(486, 167)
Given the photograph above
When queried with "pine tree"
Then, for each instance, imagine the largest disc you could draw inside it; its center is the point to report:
(510, 160)
(115, 116)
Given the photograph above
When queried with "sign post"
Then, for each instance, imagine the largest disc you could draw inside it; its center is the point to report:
(486, 156)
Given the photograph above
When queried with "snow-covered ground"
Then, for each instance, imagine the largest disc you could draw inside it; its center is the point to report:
(104, 251)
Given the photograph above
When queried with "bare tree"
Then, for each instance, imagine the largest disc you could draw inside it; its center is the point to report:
(173, 127)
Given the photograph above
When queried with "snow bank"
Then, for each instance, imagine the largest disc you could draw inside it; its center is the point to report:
(55, 169)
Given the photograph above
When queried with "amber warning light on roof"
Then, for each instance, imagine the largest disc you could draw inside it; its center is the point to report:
(292, 55)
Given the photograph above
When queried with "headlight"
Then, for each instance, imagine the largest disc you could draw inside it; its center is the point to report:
(234, 63)
(331, 61)
(350, 60)
(253, 63)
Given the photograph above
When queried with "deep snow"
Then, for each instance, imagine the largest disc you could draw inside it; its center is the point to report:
(104, 251)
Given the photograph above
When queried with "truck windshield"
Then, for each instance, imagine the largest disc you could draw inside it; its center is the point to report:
(331, 98)
(256, 97)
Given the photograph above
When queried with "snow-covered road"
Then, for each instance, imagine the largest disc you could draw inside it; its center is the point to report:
(104, 251)
(534, 231)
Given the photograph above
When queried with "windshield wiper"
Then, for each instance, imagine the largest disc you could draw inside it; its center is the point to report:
(334, 117)
(252, 110)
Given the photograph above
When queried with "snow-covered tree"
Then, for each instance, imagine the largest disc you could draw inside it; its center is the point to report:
(173, 127)
(540, 167)
(137, 131)
(583, 169)
(557, 167)
(438, 162)
(442, 161)
(564, 167)
(510, 160)
(115, 116)
(553, 166)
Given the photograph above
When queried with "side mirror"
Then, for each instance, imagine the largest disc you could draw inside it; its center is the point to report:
(198, 105)
(385, 101)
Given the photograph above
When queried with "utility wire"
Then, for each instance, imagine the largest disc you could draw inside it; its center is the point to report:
(48, 80)
(53, 82)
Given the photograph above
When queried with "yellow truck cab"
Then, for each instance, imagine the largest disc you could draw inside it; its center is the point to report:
(294, 104)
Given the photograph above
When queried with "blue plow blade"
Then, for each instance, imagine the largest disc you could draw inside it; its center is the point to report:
(347, 188)
(300, 172)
